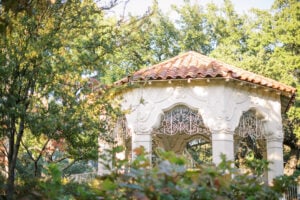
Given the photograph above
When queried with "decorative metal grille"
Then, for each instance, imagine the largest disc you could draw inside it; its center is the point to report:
(249, 141)
(182, 131)
(182, 119)
(250, 126)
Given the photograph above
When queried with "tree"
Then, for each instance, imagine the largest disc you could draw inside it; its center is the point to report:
(50, 48)
(286, 62)
(230, 32)
(192, 27)
(141, 41)
(46, 48)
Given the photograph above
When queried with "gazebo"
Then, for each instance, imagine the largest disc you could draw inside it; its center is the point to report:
(201, 107)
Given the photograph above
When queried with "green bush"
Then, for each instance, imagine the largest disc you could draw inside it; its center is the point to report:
(53, 187)
(169, 179)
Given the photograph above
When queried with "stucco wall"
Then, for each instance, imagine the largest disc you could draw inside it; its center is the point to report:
(221, 103)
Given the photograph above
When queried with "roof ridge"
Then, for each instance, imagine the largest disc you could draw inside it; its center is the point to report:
(169, 60)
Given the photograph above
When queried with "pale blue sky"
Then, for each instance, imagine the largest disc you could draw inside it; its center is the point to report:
(138, 7)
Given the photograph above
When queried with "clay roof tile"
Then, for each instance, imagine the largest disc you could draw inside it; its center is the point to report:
(194, 65)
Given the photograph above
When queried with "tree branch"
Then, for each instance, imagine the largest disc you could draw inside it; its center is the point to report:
(27, 150)
(72, 163)
(44, 147)
(110, 5)
(60, 159)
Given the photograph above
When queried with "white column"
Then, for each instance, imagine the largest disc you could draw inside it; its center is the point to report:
(142, 139)
(222, 143)
(275, 157)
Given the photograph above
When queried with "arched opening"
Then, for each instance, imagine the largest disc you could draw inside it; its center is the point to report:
(182, 131)
(250, 142)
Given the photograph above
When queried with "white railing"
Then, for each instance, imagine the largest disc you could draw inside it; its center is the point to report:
(293, 193)
(83, 178)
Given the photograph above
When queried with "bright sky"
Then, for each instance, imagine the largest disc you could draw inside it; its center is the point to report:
(138, 7)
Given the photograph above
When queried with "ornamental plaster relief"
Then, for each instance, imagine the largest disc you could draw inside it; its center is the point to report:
(153, 95)
(220, 105)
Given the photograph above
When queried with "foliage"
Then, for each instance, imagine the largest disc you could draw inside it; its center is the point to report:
(26, 169)
(49, 49)
(141, 41)
(53, 186)
(280, 183)
(169, 179)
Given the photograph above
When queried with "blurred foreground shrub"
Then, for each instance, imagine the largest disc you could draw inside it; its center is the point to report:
(168, 179)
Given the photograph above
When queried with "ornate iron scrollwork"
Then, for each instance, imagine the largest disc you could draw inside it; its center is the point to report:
(250, 142)
(181, 119)
(250, 125)
(182, 131)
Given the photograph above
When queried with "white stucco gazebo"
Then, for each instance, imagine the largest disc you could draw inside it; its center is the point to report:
(193, 99)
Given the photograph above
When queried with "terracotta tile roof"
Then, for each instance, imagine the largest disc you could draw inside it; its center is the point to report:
(194, 66)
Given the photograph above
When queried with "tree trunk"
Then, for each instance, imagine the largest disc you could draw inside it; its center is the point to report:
(12, 158)
(11, 168)
(36, 168)
(11, 180)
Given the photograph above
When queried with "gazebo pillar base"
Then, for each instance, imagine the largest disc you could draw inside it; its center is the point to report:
(144, 140)
(275, 157)
(222, 143)
(102, 168)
